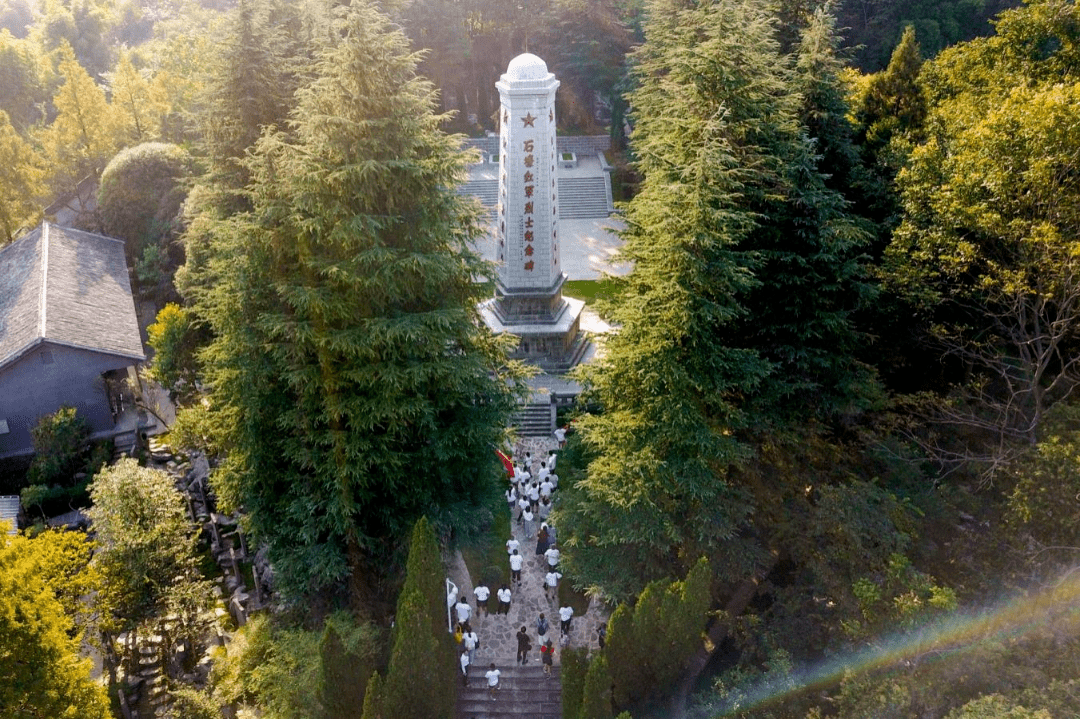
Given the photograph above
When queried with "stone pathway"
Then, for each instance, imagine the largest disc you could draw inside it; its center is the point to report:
(497, 632)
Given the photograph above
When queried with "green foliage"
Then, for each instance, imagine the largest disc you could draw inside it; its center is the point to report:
(141, 104)
(986, 247)
(422, 662)
(425, 573)
(573, 666)
(84, 134)
(52, 500)
(141, 191)
(373, 698)
(188, 703)
(737, 313)
(44, 674)
(274, 668)
(146, 549)
(175, 337)
(1043, 484)
(648, 646)
(596, 692)
(349, 370)
(347, 663)
(23, 90)
(995, 706)
(418, 687)
(893, 101)
(901, 597)
(59, 444)
(21, 186)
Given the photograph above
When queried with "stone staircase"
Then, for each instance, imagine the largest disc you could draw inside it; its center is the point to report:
(534, 420)
(579, 197)
(524, 693)
(583, 198)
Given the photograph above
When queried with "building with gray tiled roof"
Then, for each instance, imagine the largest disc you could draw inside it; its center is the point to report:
(67, 323)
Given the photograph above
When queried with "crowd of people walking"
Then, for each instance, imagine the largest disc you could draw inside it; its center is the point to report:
(530, 495)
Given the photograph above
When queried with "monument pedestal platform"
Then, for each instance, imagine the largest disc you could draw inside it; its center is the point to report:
(555, 343)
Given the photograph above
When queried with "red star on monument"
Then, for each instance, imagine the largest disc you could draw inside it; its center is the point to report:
(528, 120)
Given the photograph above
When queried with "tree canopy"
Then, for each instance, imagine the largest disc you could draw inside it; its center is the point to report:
(355, 382)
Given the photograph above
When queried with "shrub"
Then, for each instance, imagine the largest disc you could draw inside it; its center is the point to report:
(59, 440)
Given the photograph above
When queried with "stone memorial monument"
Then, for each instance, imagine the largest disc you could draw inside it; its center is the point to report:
(528, 298)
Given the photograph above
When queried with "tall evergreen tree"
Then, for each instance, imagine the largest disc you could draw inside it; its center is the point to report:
(596, 694)
(415, 688)
(356, 384)
(736, 318)
(21, 185)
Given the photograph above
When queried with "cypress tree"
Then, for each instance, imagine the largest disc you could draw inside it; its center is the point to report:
(596, 692)
(343, 677)
(574, 664)
(415, 685)
(425, 573)
(354, 381)
(373, 698)
(627, 663)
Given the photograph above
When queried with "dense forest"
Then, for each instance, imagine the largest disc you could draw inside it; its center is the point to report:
(828, 466)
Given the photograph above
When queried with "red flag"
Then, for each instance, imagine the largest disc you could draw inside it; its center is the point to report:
(506, 463)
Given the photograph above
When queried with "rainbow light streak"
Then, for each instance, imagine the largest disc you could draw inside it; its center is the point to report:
(956, 634)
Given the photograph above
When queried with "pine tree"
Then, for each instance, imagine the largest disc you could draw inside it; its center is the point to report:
(894, 101)
(737, 313)
(141, 104)
(596, 693)
(84, 134)
(356, 385)
(21, 184)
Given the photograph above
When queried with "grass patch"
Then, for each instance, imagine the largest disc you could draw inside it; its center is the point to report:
(591, 290)
(485, 556)
(570, 596)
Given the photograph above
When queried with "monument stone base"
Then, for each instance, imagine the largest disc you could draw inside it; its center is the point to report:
(554, 343)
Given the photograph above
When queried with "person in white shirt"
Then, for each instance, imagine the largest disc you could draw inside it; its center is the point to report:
(504, 599)
(554, 479)
(528, 516)
(511, 497)
(552, 554)
(534, 494)
(523, 504)
(464, 611)
(544, 509)
(546, 488)
(482, 593)
(516, 560)
(465, 662)
(551, 584)
(512, 545)
(560, 436)
(544, 472)
(565, 614)
(471, 642)
(553, 457)
(492, 680)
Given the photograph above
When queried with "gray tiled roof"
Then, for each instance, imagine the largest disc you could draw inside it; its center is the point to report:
(9, 510)
(69, 287)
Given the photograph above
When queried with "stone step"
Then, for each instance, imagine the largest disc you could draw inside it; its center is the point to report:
(533, 420)
(524, 691)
